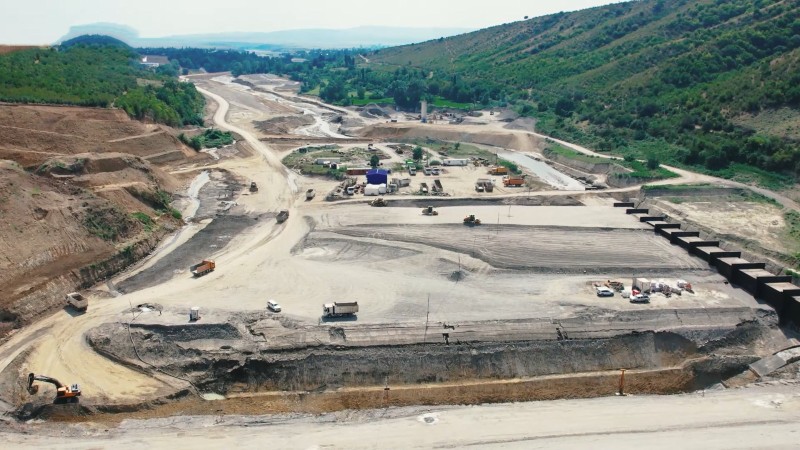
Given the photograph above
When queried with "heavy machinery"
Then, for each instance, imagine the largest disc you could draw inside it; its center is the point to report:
(253, 186)
(339, 309)
(378, 202)
(514, 180)
(471, 220)
(202, 268)
(429, 211)
(282, 216)
(498, 170)
(64, 394)
(77, 301)
(310, 194)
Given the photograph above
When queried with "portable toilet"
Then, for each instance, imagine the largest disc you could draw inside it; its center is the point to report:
(194, 313)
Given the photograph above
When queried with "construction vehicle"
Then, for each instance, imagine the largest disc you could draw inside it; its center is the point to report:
(339, 309)
(484, 185)
(253, 186)
(310, 194)
(378, 202)
(498, 170)
(471, 220)
(77, 301)
(64, 394)
(515, 181)
(437, 186)
(423, 188)
(202, 268)
(282, 216)
(429, 211)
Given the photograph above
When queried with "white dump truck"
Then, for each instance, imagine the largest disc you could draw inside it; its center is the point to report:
(77, 301)
(339, 309)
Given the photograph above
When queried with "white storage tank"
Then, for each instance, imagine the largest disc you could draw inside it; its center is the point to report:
(373, 189)
(194, 313)
(382, 188)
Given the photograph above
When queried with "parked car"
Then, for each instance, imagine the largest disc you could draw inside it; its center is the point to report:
(273, 306)
(603, 291)
(435, 170)
(427, 170)
(412, 171)
(640, 298)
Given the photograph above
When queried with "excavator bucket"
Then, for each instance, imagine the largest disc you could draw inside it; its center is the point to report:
(32, 388)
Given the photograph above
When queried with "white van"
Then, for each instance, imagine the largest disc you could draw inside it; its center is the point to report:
(273, 306)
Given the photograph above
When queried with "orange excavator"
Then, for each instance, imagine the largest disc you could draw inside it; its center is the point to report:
(64, 394)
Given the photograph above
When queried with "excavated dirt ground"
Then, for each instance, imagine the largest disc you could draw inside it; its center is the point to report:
(449, 314)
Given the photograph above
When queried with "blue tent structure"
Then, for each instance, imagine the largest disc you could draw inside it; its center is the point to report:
(377, 176)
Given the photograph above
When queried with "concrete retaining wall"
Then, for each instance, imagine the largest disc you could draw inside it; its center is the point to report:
(776, 290)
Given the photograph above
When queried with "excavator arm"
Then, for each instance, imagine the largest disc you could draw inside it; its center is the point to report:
(32, 377)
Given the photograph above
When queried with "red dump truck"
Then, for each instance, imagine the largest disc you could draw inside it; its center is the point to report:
(339, 309)
(202, 268)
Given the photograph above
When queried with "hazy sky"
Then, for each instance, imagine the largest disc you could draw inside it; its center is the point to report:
(44, 21)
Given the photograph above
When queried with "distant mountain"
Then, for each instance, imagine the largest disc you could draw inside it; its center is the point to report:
(369, 37)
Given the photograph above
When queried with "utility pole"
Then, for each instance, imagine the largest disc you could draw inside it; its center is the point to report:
(428, 313)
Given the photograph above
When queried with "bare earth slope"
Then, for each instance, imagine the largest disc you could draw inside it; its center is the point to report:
(72, 178)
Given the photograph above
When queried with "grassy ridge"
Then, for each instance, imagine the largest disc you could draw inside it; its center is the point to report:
(97, 75)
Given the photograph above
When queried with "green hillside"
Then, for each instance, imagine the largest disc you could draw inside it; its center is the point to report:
(102, 73)
(693, 82)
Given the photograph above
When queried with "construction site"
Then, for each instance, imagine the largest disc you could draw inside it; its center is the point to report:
(319, 267)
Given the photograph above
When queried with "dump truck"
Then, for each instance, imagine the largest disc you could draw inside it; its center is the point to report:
(77, 301)
(514, 181)
(429, 211)
(310, 194)
(437, 186)
(484, 184)
(423, 188)
(253, 186)
(471, 220)
(202, 268)
(282, 216)
(64, 393)
(499, 170)
(339, 309)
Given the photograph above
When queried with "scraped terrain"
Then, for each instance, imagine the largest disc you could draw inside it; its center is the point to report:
(448, 313)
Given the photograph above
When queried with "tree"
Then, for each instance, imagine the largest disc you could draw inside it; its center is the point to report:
(653, 162)
(374, 161)
(457, 145)
(417, 153)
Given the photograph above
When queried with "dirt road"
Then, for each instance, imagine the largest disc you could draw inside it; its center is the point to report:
(734, 419)
(392, 271)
